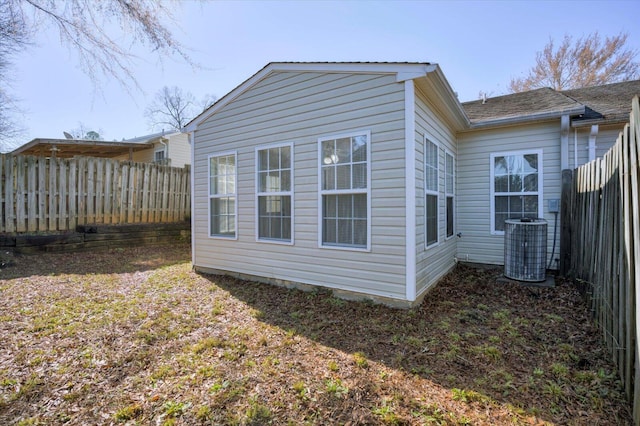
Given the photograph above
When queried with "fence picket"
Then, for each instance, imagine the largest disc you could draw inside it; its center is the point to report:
(2, 186)
(73, 195)
(9, 210)
(32, 211)
(21, 189)
(63, 169)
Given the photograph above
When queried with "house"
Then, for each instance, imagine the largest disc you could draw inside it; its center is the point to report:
(372, 179)
(171, 149)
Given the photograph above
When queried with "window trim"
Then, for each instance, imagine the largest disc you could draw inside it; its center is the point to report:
(259, 194)
(492, 193)
(427, 191)
(366, 191)
(452, 194)
(209, 196)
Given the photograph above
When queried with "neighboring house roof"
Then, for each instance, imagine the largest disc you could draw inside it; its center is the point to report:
(429, 74)
(67, 148)
(606, 104)
(153, 137)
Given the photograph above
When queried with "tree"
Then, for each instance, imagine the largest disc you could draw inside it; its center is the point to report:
(13, 38)
(87, 133)
(587, 61)
(172, 108)
(92, 29)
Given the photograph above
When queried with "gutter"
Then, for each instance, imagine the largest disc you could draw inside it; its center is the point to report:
(599, 121)
(510, 121)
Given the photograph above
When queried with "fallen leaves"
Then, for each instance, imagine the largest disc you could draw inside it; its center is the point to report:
(134, 336)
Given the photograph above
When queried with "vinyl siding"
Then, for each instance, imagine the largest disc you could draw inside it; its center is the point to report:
(144, 156)
(435, 261)
(606, 138)
(299, 108)
(474, 187)
(179, 150)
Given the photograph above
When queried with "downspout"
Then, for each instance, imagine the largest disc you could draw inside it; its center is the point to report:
(166, 147)
(592, 142)
(575, 147)
(564, 142)
(410, 189)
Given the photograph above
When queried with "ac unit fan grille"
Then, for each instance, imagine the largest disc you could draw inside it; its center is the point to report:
(525, 249)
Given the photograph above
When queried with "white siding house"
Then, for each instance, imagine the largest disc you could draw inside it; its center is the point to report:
(171, 149)
(370, 179)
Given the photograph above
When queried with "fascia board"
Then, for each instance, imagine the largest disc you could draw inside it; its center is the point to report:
(599, 121)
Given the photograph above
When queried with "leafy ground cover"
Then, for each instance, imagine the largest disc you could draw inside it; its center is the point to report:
(134, 336)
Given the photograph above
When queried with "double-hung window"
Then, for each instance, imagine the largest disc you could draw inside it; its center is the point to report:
(274, 174)
(449, 191)
(516, 187)
(431, 192)
(344, 191)
(222, 195)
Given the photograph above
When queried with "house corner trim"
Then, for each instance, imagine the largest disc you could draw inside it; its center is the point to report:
(410, 189)
(192, 139)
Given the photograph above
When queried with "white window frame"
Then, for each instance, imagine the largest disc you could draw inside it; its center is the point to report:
(269, 193)
(539, 193)
(431, 192)
(366, 191)
(452, 175)
(210, 196)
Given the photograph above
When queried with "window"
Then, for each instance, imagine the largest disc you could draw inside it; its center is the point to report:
(431, 192)
(222, 195)
(274, 174)
(449, 190)
(344, 191)
(516, 187)
(159, 156)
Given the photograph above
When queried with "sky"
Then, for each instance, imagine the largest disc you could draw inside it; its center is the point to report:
(480, 46)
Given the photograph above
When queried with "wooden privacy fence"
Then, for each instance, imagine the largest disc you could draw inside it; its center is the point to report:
(601, 237)
(39, 194)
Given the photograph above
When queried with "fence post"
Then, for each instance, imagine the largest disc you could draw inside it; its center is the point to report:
(566, 222)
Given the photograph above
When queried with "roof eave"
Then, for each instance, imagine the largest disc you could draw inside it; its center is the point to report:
(460, 116)
(600, 121)
(403, 72)
(525, 119)
(83, 142)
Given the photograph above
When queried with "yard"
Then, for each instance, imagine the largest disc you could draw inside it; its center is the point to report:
(135, 336)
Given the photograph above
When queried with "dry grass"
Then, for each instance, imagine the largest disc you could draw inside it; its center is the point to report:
(135, 337)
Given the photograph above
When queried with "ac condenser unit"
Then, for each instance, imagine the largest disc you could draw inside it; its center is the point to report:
(525, 249)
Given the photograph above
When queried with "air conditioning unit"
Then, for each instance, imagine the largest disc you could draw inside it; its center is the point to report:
(525, 249)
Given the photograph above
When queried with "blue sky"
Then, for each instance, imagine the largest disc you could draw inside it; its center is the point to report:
(480, 46)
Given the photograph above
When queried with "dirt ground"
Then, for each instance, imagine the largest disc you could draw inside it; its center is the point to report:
(134, 336)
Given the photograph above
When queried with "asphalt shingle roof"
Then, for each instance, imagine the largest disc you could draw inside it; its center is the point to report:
(610, 103)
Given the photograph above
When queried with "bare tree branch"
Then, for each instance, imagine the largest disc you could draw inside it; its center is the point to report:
(14, 35)
(172, 108)
(84, 26)
(589, 61)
